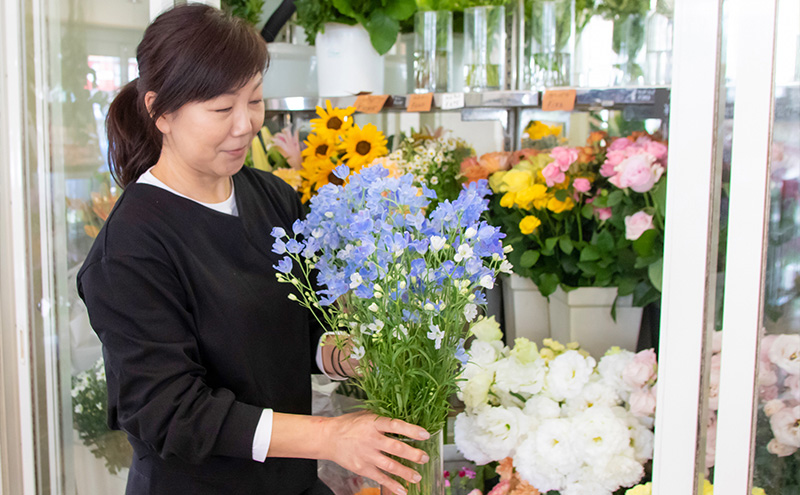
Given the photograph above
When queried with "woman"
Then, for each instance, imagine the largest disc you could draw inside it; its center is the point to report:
(207, 362)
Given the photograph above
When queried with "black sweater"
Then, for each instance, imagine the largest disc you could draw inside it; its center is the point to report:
(198, 337)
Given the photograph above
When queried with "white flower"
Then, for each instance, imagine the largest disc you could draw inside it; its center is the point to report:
(429, 307)
(611, 369)
(502, 429)
(773, 406)
(507, 249)
(357, 353)
(774, 447)
(596, 393)
(487, 281)
(355, 280)
(376, 326)
(568, 373)
(482, 355)
(475, 391)
(785, 353)
(548, 455)
(436, 335)
(468, 442)
(401, 329)
(486, 329)
(464, 253)
(437, 242)
(373, 307)
(785, 426)
(470, 233)
(542, 407)
(599, 434)
(515, 376)
(470, 312)
(506, 267)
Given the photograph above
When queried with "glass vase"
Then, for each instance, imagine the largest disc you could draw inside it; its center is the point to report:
(552, 25)
(658, 65)
(627, 43)
(484, 48)
(433, 51)
(432, 472)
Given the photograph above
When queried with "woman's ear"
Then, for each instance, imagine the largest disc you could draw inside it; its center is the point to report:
(161, 122)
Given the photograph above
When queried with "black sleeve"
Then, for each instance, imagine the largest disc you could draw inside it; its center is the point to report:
(156, 386)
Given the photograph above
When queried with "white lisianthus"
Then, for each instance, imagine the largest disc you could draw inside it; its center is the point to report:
(600, 434)
(523, 378)
(486, 329)
(542, 407)
(595, 393)
(569, 372)
(470, 312)
(502, 429)
(468, 442)
(437, 242)
(482, 356)
(475, 391)
(611, 368)
(548, 456)
(785, 425)
(785, 353)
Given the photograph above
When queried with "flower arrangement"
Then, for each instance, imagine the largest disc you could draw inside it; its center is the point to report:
(404, 285)
(381, 19)
(541, 136)
(565, 420)
(590, 216)
(90, 415)
(777, 455)
(433, 159)
(335, 140)
(279, 154)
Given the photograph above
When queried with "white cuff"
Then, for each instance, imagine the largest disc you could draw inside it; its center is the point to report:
(333, 376)
(263, 436)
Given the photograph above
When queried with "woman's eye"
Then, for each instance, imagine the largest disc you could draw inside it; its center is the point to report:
(256, 102)
(223, 110)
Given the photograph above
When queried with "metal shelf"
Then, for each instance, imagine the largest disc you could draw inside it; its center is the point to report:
(653, 101)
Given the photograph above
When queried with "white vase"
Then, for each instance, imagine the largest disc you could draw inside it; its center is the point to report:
(525, 310)
(292, 71)
(347, 63)
(584, 315)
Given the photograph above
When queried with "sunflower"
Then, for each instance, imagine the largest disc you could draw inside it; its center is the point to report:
(318, 148)
(363, 145)
(333, 122)
(316, 173)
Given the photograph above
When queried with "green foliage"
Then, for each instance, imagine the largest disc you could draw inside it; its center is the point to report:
(381, 19)
(89, 418)
(249, 10)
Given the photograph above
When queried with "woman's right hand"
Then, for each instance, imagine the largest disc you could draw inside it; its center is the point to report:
(357, 442)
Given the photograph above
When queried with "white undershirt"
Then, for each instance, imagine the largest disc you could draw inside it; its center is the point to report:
(263, 435)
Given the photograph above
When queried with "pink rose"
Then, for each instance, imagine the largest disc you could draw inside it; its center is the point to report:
(582, 185)
(658, 150)
(603, 213)
(639, 172)
(792, 382)
(643, 402)
(564, 157)
(553, 175)
(619, 144)
(637, 224)
(641, 369)
(785, 425)
(768, 393)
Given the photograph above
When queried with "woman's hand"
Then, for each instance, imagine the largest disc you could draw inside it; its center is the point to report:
(357, 442)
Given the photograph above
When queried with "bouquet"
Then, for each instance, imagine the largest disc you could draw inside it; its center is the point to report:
(368, 261)
(336, 140)
(433, 160)
(89, 416)
(565, 420)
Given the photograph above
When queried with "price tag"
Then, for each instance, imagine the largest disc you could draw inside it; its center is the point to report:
(370, 103)
(452, 100)
(420, 103)
(558, 99)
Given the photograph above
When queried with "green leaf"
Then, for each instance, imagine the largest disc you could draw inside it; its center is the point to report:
(346, 8)
(626, 286)
(655, 273)
(565, 243)
(659, 193)
(382, 30)
(548, 283)
(401, 9)
(587, 211)
(550, 243)
(561, 195)
(590, 253)
(605, 241)
(644, 244)
(588, 267)
(529, 258)
(615, 198)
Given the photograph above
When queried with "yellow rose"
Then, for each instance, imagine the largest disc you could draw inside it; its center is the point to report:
(516, 180)
(530, 194)
(528, 224)
(508, 199)
(557, 206)
(646, 489)
(758, 491)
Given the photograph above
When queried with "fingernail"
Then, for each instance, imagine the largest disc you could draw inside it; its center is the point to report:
(417, 477)
(425, 435)
(401, 491)
(425, 459)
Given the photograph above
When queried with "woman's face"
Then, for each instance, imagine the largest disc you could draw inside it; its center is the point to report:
(211, 138)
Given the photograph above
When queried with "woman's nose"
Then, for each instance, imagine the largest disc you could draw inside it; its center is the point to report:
(242, 123)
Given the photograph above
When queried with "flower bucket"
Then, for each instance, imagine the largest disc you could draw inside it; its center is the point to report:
(432, 472)
(525, 309)
(347, 63)
(584, 315)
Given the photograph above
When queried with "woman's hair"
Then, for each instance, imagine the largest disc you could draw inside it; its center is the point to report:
(190, 53)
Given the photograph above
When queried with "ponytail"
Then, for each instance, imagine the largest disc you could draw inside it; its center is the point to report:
(134, 143)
